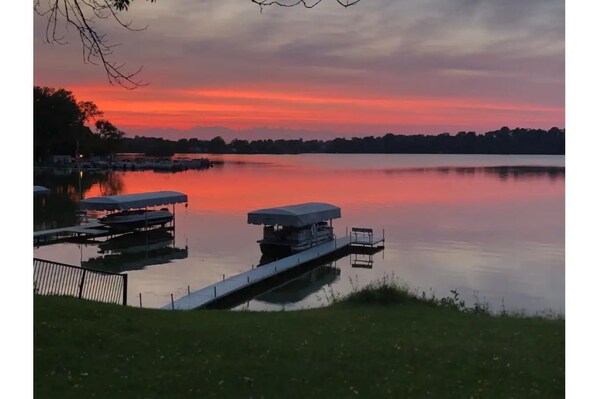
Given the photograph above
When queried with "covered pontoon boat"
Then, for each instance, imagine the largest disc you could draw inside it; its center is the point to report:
(294, 228)
(131, 210)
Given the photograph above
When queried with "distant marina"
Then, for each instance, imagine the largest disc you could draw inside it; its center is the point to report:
(138, 163)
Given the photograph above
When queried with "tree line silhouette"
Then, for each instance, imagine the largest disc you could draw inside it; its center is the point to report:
(64, 126)
(502, 141)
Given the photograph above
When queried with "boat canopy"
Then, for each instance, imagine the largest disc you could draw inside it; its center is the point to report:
(298, 215)
(133, 201)
(37, 190)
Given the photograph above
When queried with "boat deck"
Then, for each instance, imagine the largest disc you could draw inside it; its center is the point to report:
(203, 297)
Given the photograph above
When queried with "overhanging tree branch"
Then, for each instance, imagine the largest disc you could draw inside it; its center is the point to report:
(83, 14)
(304, 3)
(97, 49)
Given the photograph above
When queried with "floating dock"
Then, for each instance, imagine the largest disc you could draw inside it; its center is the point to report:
(216, 292)
(84, 232)
(94, 229)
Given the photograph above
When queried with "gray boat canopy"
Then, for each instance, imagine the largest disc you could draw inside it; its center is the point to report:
(38, 190)
(299, 215)
(133, 201)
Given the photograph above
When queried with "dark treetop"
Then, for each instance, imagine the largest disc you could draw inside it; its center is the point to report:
(503, 141)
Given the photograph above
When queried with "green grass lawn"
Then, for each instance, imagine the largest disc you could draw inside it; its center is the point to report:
(94, 350)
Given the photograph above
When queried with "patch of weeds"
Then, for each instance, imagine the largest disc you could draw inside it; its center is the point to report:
(387, 290)
(390, 290)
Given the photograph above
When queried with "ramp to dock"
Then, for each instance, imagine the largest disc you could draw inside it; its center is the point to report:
(200, 298)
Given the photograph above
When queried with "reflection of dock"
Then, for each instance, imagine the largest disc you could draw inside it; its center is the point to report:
(364, 261)
(222, 289)
(136, 250)
(301, 287)
(121, 262)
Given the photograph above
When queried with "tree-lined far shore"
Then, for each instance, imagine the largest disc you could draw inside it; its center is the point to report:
(501, 141)
(64, 126)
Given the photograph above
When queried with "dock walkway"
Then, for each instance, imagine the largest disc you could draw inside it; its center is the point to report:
(48, 236)
(201, 298)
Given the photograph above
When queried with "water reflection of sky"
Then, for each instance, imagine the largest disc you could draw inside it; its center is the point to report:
(451, 222)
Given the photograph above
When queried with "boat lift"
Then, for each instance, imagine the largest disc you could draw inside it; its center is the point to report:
(135, 201)
(111, 203)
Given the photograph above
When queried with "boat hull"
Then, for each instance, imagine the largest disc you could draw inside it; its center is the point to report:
(128, 222)
(286, 241)
(281, 249)
(276, 251)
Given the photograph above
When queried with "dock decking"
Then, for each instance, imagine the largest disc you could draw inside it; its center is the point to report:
(203, 297)
(47, 236)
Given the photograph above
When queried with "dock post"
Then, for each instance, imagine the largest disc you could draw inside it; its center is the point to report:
(81, 283)
(247, 279)
(383, 237)
(214, 291)
(140, 303)
(125, 288)
(223, 277)
(188, 290)
(172, 301)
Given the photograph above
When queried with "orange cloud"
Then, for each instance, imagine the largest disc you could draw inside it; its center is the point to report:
(305, 108)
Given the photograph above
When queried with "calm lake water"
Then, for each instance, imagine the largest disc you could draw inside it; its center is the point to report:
(490, 227)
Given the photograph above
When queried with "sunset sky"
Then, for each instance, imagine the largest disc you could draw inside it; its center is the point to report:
(220, 67)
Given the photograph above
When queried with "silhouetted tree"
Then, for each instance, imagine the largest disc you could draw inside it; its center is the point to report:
(217, 145)
(60, 125)
(58, 122)
(110, 136)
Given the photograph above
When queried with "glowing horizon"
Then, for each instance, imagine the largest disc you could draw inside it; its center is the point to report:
(327, 72)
